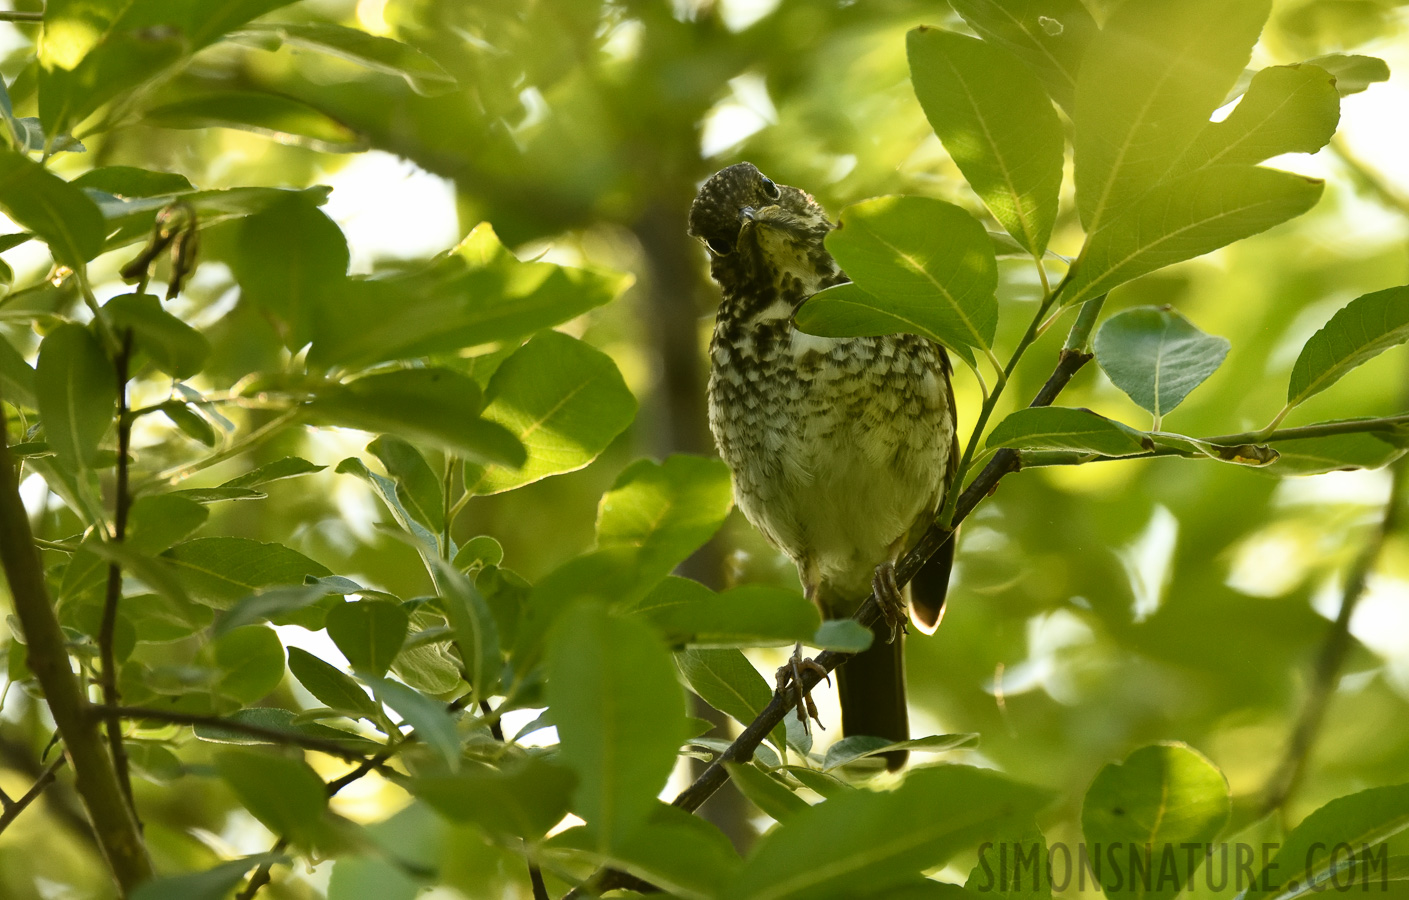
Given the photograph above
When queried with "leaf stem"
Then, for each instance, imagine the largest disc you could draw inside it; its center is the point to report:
(260, 434)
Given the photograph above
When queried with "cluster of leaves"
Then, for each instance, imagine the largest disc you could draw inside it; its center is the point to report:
(455, 366)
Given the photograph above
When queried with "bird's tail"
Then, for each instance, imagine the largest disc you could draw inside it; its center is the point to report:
(871, 687)
(930, 586)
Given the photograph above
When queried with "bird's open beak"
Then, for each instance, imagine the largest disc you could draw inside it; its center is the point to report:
(747, 214)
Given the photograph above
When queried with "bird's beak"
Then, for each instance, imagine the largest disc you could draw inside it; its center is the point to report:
(747, 213)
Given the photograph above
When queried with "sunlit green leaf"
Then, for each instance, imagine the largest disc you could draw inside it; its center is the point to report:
(272, 115)
(288, 467)
(1050, 36)
(331, 686)
(620, 715)
(174, 347)
(1332, 453)
(1353, 73)
(76, 392)
(250, 660)
(1063, 428)
(130, 181)
(380, 54)
(997, 124)
(664, 511)
(417, 487)
(564, 400)
(1157, 356)
(1163, 797)
(1361, 330)
(156, 521)
(1148, 83)
(221, 570)
(1185, 217)
(768, 793)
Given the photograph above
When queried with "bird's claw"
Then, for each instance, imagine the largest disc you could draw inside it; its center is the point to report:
(890, 599)
(790, 676)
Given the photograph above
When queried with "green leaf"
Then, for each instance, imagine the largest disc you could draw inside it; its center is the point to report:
(1064, 428)
(1023, 869)
(276, 603)
(1353, 73)
(368, 632)
(1361, 330)
(620, 715)
(275, 116)
(1332, 453)
(477, 553)
(219, 571)
(1157, 356)
(370, 878)
(130, 181)
(867, 841)
(156, 521)
(998, 125)
(291, 261)
(687, 612)
(1050, 36)
(924, 262)
(279, 720)
(564, 400)
(56, 211)
(189, 422)
(131, 220)
(664, 511)
(425, 714)
(212, 884)
(860, 746)
(521, 801)
(1147, 86)
(727, 681)
(386, 488)
(475, 294)
(1162, 796)
(1185, 217)
(288, 467)
(174, 347)
(380, 54)
(768, 793)
(282, 792)
(440, 407)
(331, 686)
(76, 392)
(250, 660)
(16, 377)
(1287, 109)
(417, 487)
(842, 635)
(476, 634)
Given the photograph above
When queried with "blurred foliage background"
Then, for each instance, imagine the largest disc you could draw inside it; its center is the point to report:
(1093, 610)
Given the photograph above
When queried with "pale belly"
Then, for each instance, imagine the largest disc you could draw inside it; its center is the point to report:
(838, 447)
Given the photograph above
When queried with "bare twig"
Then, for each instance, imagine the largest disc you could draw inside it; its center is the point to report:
(13, 808)
(1288, 773)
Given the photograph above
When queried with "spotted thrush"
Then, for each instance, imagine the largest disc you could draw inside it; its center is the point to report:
(841, 448)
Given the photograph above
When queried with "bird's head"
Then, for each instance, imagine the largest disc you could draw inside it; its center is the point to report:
(761, 234)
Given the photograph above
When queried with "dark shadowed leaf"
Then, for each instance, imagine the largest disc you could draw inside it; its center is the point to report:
(438, 406)
(861, 746)
(1361, 330)
(1050, 36)
(220, 571)
(998, 125)
(1063, 428)
(523, 800)
(173, 346)
(212, 884)
(870, 840)
(687, 612)
(333, 688)
(57, 212)
(1157, 356)
(476, 634)
(727, 681)
(282, 792)
(272, 115)
(1185, 217)
(563, 399)
(620, 714)
(1162, 795)
(425, 714)
(664, 511)
(1015, 866)
(130, 181)
(156, 521)
(76, 392)
(1147, 86)
(771, 795)
(417, 487)
(380, 54)
(368, 632)
(16, 377)
(250, 661)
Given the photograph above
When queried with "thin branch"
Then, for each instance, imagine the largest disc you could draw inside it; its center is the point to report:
(122, 504)
(1288, 773)
(1072, 357)
(13, 808)
(17, 15)
(535, 874)
(275, 735)
(94, 775)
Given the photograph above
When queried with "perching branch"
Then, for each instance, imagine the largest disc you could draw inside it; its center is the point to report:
(13, 808)
(94, 774)
(1288, 773)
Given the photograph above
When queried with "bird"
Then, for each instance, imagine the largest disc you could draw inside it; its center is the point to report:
(841, 449)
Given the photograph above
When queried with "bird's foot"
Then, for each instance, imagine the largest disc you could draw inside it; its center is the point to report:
(891, 600)
(790, 676)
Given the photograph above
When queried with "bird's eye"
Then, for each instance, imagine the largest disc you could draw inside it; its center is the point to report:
(770, 190)
(719, 246)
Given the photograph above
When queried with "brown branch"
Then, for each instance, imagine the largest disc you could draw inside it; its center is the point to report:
(275, 735)
(1288, 773)
(94, 774)
(122, 504)
(13, 808)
